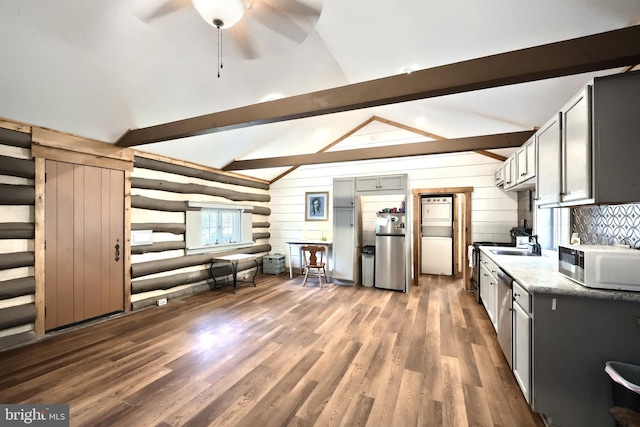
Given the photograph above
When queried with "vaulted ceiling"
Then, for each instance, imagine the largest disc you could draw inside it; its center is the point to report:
(97, 69)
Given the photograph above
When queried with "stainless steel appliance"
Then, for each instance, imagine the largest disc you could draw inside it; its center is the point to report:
(390, 258)
(505, 319)
(474, 263)
(437, 235)
(599, 266)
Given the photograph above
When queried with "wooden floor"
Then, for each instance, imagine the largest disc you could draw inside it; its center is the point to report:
(280, 355)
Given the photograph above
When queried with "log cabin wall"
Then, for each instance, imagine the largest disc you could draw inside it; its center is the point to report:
(161, 189)
(157, 192)
(17, 232)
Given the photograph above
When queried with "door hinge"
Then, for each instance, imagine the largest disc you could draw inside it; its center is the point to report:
(45, 178)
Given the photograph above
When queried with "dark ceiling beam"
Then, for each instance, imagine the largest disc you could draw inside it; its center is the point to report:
(617, 48)
(485, 142)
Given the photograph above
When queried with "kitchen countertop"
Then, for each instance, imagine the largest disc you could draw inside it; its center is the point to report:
(539, 274)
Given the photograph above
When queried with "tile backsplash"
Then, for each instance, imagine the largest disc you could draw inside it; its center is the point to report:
(607, 225)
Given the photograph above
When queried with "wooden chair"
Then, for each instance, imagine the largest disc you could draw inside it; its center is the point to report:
(314, 260)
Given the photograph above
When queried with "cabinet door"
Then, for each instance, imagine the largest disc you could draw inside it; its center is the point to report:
(499, 175)
(392, 182)
(367, 183)
(510, 172)
(343, 193)
(522, 350)
(489, 294)
(548, 176)
(344, 245)
(576, 140)
(526, 156)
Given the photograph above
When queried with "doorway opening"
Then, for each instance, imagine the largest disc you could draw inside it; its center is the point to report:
(461, 222)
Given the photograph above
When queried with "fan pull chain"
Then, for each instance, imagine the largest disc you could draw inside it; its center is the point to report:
(219, 50)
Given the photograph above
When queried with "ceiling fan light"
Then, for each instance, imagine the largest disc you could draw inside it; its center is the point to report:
(227, 12)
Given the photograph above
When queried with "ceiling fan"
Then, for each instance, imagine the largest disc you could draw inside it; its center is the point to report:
(251, 26)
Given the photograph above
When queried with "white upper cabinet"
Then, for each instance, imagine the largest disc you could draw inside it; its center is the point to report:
(548, 177)
(381, 183)
(500, 176)
(510, 172)
(344, 192)
(520, 168)
(589, 154)
(526, 156)
(576, 148)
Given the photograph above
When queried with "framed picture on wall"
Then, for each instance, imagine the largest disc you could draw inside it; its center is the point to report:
(316, 206)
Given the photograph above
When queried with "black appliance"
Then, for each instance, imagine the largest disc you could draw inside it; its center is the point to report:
(475, 271)
(519, 231)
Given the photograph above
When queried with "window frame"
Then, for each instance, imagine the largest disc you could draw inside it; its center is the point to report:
(241, 229)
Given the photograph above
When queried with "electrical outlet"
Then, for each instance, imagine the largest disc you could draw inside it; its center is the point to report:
(161, 301)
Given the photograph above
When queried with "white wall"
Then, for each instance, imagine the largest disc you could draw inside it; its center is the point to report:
(494, 211)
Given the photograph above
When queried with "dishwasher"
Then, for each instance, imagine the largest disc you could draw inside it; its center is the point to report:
(505, 318)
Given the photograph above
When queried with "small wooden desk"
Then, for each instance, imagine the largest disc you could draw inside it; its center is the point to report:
(233, 261)
(301, 243)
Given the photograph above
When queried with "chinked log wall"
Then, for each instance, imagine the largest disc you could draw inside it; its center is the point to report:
(160, 193)
(17, 231)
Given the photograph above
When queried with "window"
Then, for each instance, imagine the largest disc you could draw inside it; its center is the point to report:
(553, 226)
(212, 227)
(220, 226)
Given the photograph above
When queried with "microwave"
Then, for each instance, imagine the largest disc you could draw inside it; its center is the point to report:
(600, 266)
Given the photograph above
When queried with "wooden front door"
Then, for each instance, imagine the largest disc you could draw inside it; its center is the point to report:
(84, 223)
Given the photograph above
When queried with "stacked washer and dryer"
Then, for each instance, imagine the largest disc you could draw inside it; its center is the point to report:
(436, 226)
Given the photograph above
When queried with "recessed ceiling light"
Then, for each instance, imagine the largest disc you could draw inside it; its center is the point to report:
(272, 97)
(410, 69)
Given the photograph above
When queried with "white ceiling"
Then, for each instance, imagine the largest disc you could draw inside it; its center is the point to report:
(96, 69)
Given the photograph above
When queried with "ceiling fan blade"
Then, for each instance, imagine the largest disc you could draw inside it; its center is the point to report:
(310, 10)
(278, 21)
(148, 14)
(242, 43)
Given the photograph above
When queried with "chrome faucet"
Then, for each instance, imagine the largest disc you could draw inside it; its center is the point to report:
(534, 246)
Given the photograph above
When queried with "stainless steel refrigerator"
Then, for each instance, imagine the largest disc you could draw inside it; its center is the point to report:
(390, 258)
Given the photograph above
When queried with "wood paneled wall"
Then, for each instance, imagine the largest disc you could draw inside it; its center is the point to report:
(494, 211)
(17, 232)
(161, 189)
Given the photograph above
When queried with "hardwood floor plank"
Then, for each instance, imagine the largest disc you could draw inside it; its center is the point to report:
(279, 354)
(453, 409)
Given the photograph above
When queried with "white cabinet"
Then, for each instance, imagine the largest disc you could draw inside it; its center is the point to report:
(489, 288)
(548, 178)
(510, 172)
(499, 176)
(522, 324)
(345, 244)
(588, 154)
(520, 168)
(489, 294)
(381, 183)
(526, 161)
(344, 192)
(576, 148)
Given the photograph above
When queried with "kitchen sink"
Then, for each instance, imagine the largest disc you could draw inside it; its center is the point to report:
(512, 252)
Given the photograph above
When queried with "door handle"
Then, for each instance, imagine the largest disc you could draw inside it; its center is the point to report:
(117, 248)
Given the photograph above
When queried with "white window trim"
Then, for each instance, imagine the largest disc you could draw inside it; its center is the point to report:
(193, 222)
